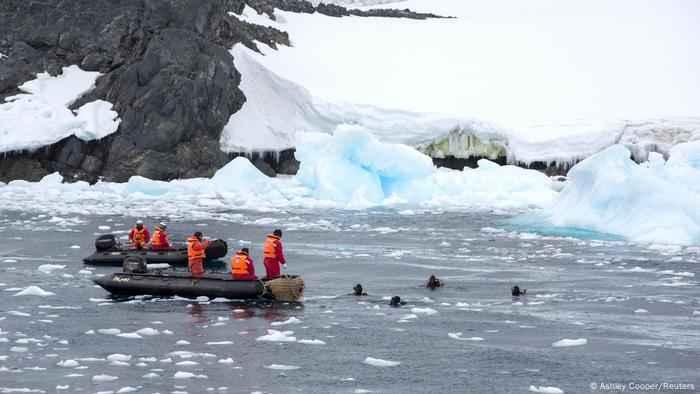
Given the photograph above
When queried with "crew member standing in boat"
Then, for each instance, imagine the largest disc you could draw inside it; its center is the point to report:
(273, 254)
(242, 267)
(139, 235)
(195, 253)
(160, 238)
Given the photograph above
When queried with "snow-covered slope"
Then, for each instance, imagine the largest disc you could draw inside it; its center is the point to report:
(40, 116)
(538, 80)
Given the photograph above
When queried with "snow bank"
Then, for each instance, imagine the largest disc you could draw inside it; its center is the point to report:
(570, 342)
(496, 105)
(40, 116)
(655, 201)
(378, 362)
(34, 291)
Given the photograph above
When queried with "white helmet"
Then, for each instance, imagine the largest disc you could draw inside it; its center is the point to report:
(139, 221)
(162, 225)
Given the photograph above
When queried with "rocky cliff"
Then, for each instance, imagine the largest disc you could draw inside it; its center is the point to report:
(166, 68)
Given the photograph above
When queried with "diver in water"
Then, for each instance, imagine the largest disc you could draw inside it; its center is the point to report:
(396, 301)
(516, 292)
(433, 282)
(357, 291)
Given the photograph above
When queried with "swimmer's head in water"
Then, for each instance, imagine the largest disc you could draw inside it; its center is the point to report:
(515, 291)
(395, 301)
(358, 289)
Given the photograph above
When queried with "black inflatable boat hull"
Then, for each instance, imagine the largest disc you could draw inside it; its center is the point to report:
(178, 256)
(177, 283)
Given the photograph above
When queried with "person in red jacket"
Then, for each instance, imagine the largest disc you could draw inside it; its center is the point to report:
(195, 254)
(160, 238)
(139, 236)
(242, 267)
(273, 254)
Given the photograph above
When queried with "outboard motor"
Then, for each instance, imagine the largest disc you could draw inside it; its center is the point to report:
(105, 242)
(134, 265)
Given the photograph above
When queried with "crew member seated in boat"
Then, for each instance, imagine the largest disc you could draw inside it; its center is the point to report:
(273, 254)
(195, 253)
(433, 282)
(357, 291)
(139, 236)
(160, 238)
(242, 267)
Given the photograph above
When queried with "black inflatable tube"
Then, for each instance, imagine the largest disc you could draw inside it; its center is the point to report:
(115, 256)
(177, 283)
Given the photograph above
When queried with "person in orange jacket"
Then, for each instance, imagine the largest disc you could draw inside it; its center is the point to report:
(139, 236)
(242, 267)
(273, 254)
(195, 253)
(160, 238)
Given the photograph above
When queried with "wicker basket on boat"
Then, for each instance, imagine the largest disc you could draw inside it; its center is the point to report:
(287, 288)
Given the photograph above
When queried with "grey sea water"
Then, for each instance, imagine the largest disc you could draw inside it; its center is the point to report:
(636, 306)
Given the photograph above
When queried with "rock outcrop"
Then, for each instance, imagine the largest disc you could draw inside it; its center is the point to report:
(167, 70)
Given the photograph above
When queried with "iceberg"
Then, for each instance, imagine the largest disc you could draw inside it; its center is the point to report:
(656, 201)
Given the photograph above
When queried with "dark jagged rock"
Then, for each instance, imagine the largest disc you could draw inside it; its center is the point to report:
(268, 7)
(167, 70)
(264, 167)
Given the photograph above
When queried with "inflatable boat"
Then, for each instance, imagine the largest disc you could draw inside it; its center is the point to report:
(108, 252)
(212, 285)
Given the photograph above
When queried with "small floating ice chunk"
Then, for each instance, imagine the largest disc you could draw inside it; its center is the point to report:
(34, 291)
(103, 378)
(47, 268)
(147, 332)
(546, 390)
(75, 246)
(378, 362)
(277, 336)
(291, 320)
(19, 349)
(427, 311)
(119, 357)
(312, 341)
(458, 336)
(186, 363)
(187, 375)
(130, 335)
(151, 375)
(226, 361)
(18, 313)
(127, 389)
(570, 342)
(68, 363)
(282, 367)
(109, 331)
(220, 343)
(85, 272)
(103, 227)
(182, 343)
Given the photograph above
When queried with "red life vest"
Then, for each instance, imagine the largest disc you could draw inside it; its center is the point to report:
(193, 254)
(155, 241)
(139, 236)
(269, 251)
(239, 264)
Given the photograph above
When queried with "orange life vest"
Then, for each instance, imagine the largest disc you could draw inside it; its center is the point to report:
(193, 254)
(269, 250)
(239, 264)
(139, 236)
(155, 241)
